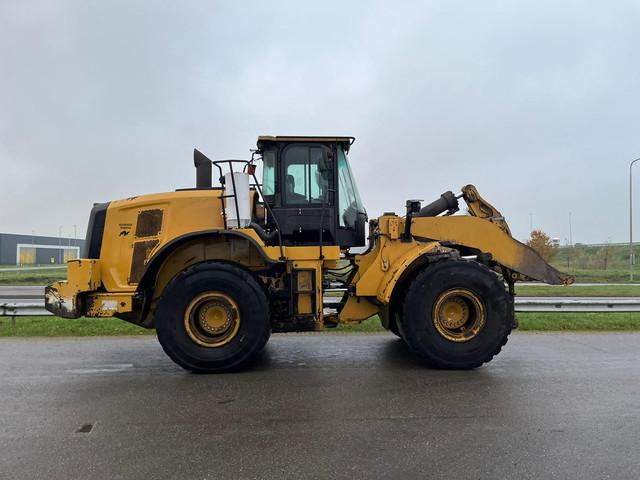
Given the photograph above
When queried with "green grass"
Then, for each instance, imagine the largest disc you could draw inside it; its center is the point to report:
(371, 325)
(578, 291)
(62, 327)
(598, 276)
(43, 276)
(82, 327)
(610, 258)
(539, 321)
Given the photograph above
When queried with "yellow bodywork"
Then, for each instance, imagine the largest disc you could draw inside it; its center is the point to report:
(139, 230)
(381, 269)
(129, 244)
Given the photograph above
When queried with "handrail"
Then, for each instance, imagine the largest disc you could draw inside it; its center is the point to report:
(258, 189)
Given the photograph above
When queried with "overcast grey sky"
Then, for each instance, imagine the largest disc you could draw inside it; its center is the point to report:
(535, 102)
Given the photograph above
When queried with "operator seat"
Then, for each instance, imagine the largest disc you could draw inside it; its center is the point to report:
(291, 195)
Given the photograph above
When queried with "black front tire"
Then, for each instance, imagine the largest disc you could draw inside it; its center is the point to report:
(424, 335)
(231, 281)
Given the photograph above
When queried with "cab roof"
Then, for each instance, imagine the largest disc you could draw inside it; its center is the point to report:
(345, 141)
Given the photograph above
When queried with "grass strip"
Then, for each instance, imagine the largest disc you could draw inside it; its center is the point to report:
(578, 291)
(50, 326)
(535, 321)
(543, 321)
(44, 276)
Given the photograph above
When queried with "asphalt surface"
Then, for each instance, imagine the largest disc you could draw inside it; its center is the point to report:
(321, 406)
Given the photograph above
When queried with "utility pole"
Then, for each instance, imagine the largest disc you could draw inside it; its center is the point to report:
(631, 256)
(530, 222)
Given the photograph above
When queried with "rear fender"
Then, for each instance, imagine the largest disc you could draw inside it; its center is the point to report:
(189, 249)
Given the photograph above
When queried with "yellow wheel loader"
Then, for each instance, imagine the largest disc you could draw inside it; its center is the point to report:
(215, 270)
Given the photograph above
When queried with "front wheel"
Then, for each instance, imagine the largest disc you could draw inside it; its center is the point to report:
(212, 317)
(457, 315)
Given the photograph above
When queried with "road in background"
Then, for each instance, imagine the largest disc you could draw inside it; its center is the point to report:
(26, 269)
(20, 293)
(341, 406)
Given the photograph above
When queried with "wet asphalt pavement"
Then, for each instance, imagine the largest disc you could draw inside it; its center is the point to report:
(321, 406)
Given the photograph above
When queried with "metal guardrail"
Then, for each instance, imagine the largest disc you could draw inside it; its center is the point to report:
(14, 310)
(23, 309)
(522, 304)
(584, 304)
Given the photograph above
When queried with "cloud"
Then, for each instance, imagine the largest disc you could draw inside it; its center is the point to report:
(534, 102)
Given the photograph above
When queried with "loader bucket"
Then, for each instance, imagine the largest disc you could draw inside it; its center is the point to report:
(485, 236)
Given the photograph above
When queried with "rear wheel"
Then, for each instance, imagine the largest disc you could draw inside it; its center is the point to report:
(395, 324)
(212, 317)
(393, 328)
(457, 315)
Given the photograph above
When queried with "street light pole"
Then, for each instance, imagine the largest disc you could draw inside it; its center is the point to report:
(631, 219)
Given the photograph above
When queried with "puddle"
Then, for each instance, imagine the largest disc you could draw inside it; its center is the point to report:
(111, 368)
(86, 428)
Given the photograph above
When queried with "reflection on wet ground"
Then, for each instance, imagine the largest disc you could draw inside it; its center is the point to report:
(321, 406)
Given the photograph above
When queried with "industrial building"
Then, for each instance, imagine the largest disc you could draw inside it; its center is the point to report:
(16, 249)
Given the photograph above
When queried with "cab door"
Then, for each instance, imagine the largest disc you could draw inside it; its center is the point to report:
(305, 202)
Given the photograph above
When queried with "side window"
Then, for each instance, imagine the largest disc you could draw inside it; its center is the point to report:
(295, 178)
(308, 175)
(269, 173)
(349, 202)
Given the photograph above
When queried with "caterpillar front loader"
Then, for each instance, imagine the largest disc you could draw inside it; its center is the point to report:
(215, 270)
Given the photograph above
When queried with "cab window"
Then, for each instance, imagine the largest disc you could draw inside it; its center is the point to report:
(349, 203)
(307, 175)
(269, 173)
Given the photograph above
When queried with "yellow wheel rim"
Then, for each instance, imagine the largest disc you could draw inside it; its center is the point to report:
(458, 315)
(212, 319)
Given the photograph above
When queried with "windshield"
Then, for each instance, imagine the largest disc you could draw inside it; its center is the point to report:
(349, 202)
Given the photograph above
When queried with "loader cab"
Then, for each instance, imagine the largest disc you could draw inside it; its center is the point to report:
(310, 189)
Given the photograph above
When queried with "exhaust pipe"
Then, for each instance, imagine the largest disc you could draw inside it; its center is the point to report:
(203, 169)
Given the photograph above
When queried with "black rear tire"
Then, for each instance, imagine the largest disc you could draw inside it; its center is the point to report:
(243, 341)
(395, 324)
(457, 347)
(393, 328)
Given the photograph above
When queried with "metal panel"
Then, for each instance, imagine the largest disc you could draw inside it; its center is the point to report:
(149, 223)
(141, 251)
